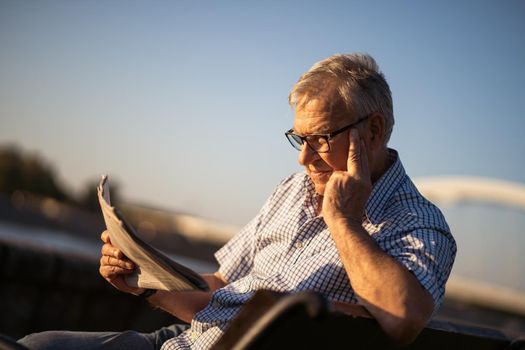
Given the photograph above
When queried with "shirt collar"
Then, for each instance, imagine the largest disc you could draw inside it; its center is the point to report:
(381, 191)
(311, 196)
(384, 188)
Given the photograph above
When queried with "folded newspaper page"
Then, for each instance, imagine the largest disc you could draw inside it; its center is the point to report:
(153, 269)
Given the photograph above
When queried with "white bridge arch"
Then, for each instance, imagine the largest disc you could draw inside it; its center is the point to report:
(449, 190)
(455, 189)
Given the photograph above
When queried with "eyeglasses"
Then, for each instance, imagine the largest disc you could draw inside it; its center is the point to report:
(318, 142)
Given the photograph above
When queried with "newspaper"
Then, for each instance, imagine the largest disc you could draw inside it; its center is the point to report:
(153, 269)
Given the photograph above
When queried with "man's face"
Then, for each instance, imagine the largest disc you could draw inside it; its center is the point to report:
(317, 117)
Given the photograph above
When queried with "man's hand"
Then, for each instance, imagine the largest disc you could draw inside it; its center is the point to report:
(347, 192)
(114, 265)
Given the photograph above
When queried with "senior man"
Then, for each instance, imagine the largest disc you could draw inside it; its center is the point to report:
(352, 227)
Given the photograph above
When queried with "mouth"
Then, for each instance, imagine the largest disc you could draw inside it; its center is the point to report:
(319, 174)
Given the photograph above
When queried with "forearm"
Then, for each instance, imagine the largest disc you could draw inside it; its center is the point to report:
(390, 292)
(349, 309)
(184, 305)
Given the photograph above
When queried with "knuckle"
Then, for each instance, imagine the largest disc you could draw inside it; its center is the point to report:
(104, 272)
(106, 248)
(336, 175)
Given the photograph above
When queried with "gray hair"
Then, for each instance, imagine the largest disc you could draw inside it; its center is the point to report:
(354, 79)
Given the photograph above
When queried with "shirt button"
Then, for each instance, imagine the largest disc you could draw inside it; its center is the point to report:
(298, 244)
(193, 335)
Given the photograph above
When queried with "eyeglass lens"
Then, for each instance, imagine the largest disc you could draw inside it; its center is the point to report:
(317, 143)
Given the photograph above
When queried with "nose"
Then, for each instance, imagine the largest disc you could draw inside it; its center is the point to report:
(307, 155)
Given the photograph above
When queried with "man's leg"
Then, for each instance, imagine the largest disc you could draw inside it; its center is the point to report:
(128, 340)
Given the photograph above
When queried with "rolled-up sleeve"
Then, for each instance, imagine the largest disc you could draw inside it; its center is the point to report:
(235, 258)
(429, 254)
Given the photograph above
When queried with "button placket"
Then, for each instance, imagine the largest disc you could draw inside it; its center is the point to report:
(306, 236)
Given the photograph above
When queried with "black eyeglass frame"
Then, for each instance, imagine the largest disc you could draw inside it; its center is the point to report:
(291, 135)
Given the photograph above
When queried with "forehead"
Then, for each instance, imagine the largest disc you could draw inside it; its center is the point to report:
(319, 115)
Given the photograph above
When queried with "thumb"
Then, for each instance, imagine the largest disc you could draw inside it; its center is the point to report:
(105, 237)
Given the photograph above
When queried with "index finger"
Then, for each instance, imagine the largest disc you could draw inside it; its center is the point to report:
(105, 237)
(354, 152)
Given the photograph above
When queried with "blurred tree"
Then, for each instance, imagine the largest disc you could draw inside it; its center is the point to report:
(28, 173)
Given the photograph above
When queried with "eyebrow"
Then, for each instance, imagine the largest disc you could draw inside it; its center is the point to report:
(319, 133)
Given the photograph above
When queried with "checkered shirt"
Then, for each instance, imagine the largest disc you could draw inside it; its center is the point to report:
(288, 248)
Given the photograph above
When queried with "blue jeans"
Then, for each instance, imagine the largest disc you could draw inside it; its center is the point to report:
(128, 340)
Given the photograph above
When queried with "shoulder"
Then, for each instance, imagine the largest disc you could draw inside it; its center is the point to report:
(408, 210)
(296, 183)
(288, 194)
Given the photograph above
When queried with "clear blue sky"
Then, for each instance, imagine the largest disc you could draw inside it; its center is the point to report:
(185, 102)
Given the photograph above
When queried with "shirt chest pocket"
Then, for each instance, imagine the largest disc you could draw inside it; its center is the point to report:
(310, 247)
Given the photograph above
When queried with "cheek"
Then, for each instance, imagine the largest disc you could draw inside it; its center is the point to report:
(336, 161)
(338, 157)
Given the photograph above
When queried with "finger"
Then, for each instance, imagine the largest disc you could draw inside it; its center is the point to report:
(105, 237)
(124, 263)
(365, 170)
(354, 152)
(110, 272)
(109, 249)
(107, 260)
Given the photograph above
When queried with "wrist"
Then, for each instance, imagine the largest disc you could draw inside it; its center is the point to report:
(344, 221)
(147, 293)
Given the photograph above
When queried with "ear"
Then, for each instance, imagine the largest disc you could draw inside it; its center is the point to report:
(376, 130)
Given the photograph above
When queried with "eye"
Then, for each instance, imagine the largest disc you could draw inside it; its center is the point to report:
(322, 140)
(318, 141)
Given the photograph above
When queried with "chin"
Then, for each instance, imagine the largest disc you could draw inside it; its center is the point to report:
(319, 188)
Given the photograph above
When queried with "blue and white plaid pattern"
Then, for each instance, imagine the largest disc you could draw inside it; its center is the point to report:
(287, 248)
